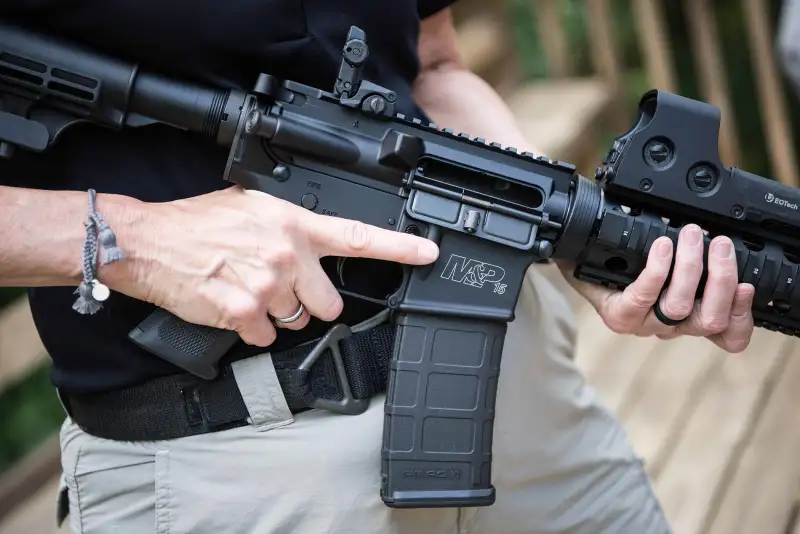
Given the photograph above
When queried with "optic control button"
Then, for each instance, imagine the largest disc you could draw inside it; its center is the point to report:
(309, 201)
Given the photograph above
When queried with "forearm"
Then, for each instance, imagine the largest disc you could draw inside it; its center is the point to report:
(42, 233)
(456, 98)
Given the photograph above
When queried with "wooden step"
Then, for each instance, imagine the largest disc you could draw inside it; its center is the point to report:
(794, 520)
(21, 349)
(664, 393)
(762, 493)
(695, 475)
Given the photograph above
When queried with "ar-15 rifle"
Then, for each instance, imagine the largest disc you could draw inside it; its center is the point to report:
(492, 211)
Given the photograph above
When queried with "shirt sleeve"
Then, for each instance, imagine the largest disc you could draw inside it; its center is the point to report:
(426, 8)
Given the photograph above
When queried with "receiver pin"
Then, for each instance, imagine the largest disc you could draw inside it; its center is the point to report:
(471, 221)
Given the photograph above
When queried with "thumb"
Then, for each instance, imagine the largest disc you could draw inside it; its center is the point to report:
(334, 236)
(597, 295)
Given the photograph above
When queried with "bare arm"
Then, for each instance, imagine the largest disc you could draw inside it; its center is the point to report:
(42, 233)
(230, 258)
(453, 96)
(456, 98)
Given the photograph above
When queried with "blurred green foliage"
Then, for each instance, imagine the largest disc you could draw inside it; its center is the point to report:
(29, 409)
(734, 46)
(9, 294)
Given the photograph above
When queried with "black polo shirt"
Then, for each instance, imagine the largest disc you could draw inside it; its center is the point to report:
(227, 43)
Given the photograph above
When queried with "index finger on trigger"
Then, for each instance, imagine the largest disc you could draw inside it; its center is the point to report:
(335, 236)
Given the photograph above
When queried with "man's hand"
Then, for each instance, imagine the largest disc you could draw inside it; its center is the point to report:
(723, 315)
(232, 258)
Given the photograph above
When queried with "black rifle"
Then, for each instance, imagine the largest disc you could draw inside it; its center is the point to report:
(492, 211)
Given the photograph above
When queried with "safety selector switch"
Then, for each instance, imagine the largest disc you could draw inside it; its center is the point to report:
(309, 201)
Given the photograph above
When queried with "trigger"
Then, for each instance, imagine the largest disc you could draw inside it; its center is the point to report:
(340, 270)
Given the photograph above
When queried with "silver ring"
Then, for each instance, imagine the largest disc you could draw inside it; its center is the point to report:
(292, 318)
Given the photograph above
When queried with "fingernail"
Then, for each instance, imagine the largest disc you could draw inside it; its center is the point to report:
(722, 249)
(664, 249)
(693, 236)
(428, 251)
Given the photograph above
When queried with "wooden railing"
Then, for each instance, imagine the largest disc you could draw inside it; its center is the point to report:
(21, 349)
(659, 65)
(21, 353)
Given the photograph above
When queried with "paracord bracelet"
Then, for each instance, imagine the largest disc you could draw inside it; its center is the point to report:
(92, 292)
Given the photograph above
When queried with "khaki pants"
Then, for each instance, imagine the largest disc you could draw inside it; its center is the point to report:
(561, 462)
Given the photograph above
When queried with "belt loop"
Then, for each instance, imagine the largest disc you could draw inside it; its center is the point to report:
(262, 393)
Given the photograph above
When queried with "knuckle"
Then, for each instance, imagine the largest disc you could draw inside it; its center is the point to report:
(294, 228)
(714, 324)
(270, 337)
(731, 277)
(289, 222)
(265, 286)
(332, 310)
(254, 338)
(241, 312)
(640, 301)
(283, 255)
(618, 325)
(258, 338)
(677, 309)
(357, 236)
(741, 313)
(688, 266)
(727, 276)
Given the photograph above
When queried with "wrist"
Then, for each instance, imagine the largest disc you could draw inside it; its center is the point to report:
(133, 224)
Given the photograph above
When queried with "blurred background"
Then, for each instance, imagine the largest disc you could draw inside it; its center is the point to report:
(719, 434)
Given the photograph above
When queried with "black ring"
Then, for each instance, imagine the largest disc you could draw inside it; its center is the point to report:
(663, 318)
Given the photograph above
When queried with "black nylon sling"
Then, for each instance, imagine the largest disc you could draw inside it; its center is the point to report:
(184, 405)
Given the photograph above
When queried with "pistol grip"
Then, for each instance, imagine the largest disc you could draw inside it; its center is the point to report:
(195, 348)
(438, 429)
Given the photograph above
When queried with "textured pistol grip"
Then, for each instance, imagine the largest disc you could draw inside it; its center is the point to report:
(437, 440)
(194, 348)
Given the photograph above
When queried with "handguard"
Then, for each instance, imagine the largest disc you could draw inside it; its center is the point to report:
(492, 211)
(665, 173)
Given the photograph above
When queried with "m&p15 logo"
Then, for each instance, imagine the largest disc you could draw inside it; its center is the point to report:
(474, 273)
